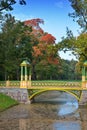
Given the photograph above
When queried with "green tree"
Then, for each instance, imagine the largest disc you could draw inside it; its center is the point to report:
(78, 46)
(68, 70)
(16, 43)
(7, 4)
(80, 12)
(81, 46)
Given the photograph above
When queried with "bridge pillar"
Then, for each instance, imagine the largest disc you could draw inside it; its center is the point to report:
(25, 75)
(84, 75)
(83, 99)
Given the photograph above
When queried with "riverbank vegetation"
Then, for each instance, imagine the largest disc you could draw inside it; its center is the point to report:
(6, 102)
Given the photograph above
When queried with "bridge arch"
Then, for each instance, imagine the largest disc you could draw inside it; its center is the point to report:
(38, 92)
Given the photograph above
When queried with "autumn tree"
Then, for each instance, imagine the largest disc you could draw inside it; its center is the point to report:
(48, 39)
(46, 56)
(45, 53)
(35, 24)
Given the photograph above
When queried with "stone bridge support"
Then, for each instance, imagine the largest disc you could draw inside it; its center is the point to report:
(83, 99)
(21, 95)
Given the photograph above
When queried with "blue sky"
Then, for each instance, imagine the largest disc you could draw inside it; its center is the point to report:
(53, 12)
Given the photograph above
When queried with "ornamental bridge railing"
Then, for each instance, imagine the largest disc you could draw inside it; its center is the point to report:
(9, 84)
(42, 84)
(55, 84)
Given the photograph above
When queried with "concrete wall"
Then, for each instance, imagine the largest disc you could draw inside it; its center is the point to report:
(18, 94)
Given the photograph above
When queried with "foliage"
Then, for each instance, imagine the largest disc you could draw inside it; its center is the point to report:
(45, 53)
(70, 70)
(67, 43)
(77, 45)
(48, 39)
(26, 40)
(36, 29)
(81, 47)
(16, 45)
(7, 4)
(80, 12)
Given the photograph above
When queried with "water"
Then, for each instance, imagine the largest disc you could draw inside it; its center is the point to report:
(51, 111)
(67, 108)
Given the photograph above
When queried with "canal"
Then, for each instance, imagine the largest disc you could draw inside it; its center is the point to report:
(50, 111)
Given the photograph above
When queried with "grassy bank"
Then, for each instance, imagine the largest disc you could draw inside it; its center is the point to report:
(6, 102)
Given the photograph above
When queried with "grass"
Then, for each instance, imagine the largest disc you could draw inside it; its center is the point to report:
(6, 102)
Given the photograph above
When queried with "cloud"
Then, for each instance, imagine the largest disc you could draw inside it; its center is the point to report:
(59, 4)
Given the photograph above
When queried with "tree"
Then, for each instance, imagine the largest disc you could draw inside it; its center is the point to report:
(81, 46)
(67, 43)
(45, 53)
(35, 24)
(48, 39)
(80, 12)
(68, 70)
(77, 45)
(7, 4)
(46, 57)
(16, 43)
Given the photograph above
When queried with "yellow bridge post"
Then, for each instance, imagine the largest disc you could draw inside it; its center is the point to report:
(25, 68)
(84, 75)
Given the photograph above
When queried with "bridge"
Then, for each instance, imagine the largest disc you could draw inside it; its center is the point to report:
(75, 88)
(37, 87)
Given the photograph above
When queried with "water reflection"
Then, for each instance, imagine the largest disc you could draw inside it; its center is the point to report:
(67, 108)
(66, 103)
(48, 125)
(67, 126)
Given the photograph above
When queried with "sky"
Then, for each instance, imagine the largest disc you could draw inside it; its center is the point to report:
(55, 16)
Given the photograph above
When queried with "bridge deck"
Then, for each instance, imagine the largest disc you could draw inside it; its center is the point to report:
(58, 88)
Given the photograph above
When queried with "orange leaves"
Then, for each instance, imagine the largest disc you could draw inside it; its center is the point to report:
(36, 51)
(52, 60)
(34, 22)
(48, 38)
(38, 31)
(45, 49)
